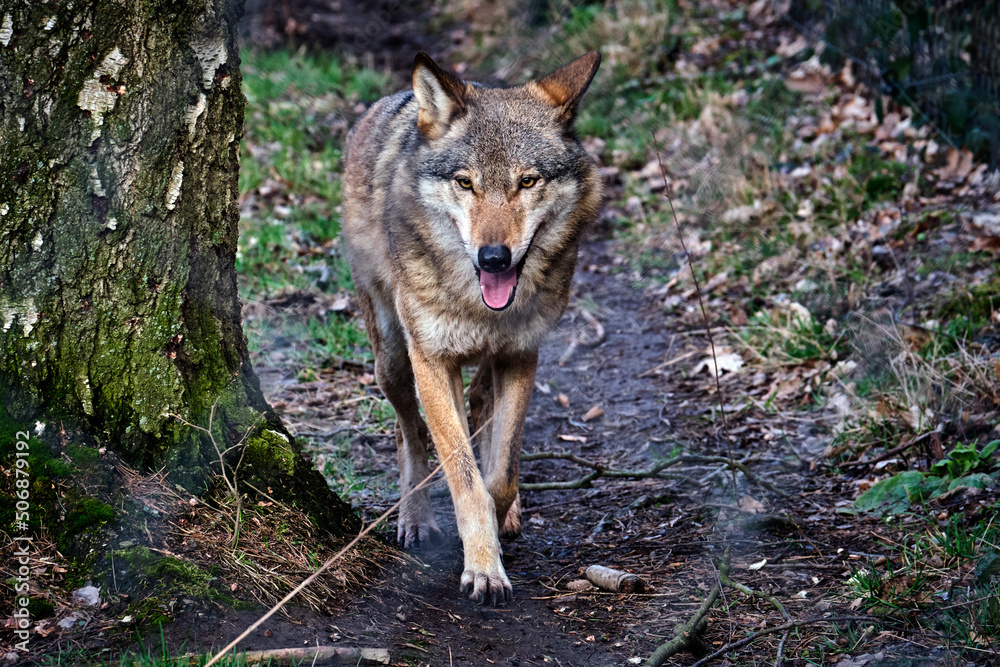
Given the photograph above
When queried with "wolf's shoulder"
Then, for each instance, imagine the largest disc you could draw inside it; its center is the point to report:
(374, 125)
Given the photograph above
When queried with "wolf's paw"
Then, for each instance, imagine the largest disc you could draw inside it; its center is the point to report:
(417, 527)
(511, 526)
(487, 587)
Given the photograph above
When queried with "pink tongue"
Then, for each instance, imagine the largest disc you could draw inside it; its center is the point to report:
(498, 288)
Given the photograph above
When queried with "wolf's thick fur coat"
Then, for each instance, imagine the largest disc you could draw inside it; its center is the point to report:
(432, 177)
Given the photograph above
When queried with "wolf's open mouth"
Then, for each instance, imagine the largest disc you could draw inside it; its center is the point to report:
(498, 288)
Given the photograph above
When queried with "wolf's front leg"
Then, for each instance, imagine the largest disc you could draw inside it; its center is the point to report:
(513, 381)
(439, 383)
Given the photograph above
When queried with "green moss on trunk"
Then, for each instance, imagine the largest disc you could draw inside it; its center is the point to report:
(119, 311)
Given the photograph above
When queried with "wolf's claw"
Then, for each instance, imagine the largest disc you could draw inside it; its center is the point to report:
(511, 526)
(419, 536)
(417, 527)
(483, 588)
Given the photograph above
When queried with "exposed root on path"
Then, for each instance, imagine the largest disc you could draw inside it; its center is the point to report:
(687, 635)
(658, 469)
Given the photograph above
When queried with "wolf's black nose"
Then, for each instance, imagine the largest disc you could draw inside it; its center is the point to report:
(494, 258)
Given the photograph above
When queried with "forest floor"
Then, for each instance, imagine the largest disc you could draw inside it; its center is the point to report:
(831, 323)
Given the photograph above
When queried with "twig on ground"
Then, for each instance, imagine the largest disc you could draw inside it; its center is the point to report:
(580, 339)
(791, 625)
(889, 453)
(687, 635)
(780, 658)
(327, 655)
(656, 470)
(746, 590)
(665, 364)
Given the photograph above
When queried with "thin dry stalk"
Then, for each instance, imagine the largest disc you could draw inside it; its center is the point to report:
(704, 315)
(330, 561)
(231, 484)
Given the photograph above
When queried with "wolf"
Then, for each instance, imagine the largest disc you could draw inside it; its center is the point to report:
(463, 207)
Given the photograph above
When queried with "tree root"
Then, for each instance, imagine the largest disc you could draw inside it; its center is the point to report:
(656, 470)
(686, 635)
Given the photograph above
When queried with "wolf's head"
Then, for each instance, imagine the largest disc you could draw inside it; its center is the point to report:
(503, 164)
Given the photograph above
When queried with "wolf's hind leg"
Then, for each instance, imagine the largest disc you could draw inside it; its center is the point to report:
(513, 381)
(481, 399)
(394, 373)
(481, 409)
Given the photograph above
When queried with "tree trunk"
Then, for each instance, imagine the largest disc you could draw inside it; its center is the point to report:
(120, 127)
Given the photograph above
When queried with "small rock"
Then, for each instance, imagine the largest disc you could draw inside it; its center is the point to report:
(87, 596)
(69, 622)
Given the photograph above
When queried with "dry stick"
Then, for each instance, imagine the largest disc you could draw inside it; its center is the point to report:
(330, 561)
(232, 485)
(888, 453)
(665, 364)
(656, 470)
(337, 655)
(578, 339)
(704, 314)
(749, 592)
(791, 625)
(780, 658)
(686, 635)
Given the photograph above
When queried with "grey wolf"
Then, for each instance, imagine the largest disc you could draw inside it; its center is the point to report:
(463, 210)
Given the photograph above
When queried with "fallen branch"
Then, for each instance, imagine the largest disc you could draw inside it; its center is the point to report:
(616, 581)
(328, 655)
(656, 470)
(687, 635)
(791, 625)
(749, 592)
(899, 449)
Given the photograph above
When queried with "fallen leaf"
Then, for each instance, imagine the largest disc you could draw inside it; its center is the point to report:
(758, 565)
(751, 505)
(569, 437)
(563, 400)
(593, 413)
(366, 379)
(723, 361)
(579, 586)
(544, 388)
(985, 243)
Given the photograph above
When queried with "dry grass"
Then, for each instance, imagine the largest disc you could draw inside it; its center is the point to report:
(278, 549)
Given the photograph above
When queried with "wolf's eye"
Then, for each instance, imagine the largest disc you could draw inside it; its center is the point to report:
(464, 183)
(528, 181)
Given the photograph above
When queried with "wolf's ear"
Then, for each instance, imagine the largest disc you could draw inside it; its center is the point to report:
(440, 96)
(564, 87)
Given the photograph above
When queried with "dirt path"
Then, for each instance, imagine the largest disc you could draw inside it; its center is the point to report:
(668, 531)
